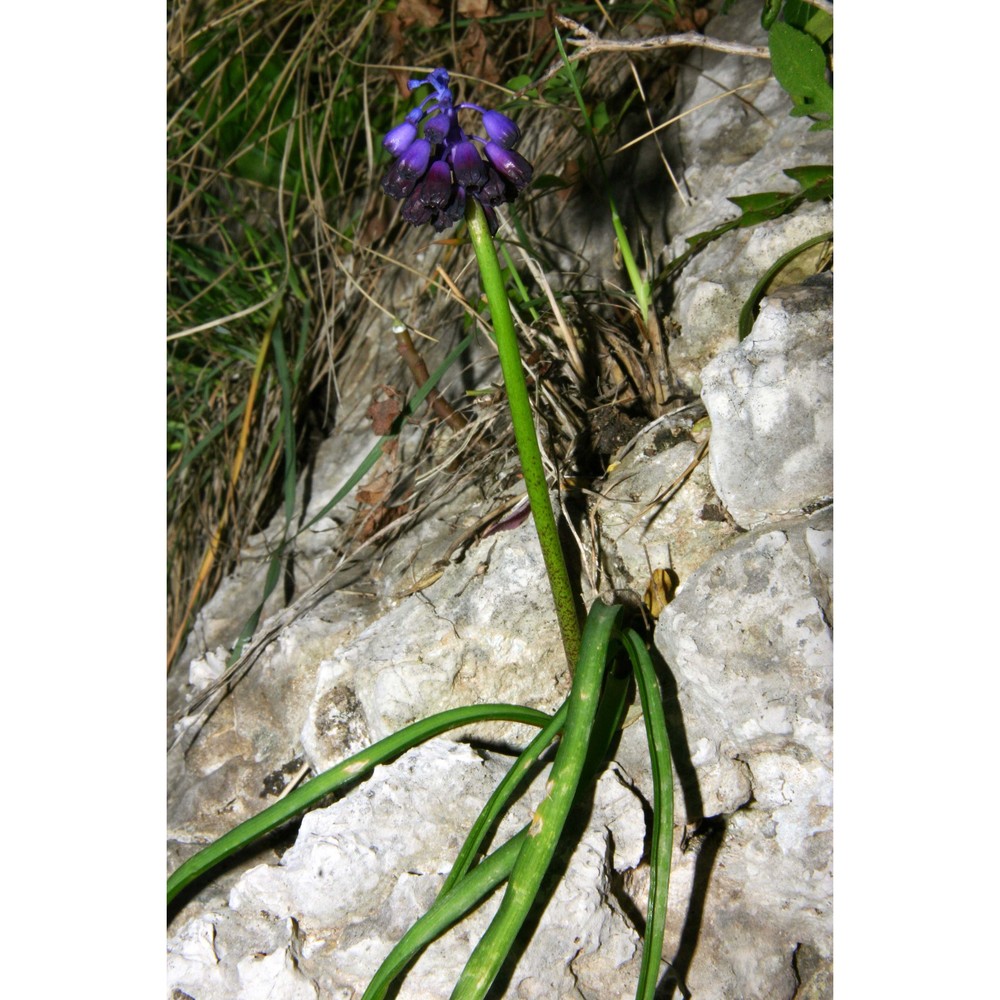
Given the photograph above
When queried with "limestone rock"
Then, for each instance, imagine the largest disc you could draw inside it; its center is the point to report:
(364, 868)
(481, 633)
(737, 145)
(748, 643)
(771, 403)
(656, 512)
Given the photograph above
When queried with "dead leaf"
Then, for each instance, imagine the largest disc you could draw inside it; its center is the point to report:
(475, 53)
(476, 8)
(374, 511)
(422, 12)
(376, 490)
(383, 412)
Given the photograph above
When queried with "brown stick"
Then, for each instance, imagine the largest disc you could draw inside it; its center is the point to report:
(408, 352)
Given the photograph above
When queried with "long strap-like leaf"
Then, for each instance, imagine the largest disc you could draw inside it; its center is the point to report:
(347, 771)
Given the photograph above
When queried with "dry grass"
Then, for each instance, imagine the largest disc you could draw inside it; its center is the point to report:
(285, 256)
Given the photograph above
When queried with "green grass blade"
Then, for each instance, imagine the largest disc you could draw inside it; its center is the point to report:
(662, 843)
(550, 816)
(640, 287)
(749, 311)
(287, 423)
(347, 771)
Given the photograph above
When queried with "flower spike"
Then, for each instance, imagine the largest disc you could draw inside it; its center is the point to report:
(435, 172)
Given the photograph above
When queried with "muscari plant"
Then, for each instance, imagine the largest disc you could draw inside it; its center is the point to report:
(443, 174)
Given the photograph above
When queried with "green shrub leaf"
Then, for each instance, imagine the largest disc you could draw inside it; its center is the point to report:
(799, 65)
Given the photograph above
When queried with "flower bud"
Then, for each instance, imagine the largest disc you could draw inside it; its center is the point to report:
(436, 128)
(501, 129)
(413, 162)
(399, 139)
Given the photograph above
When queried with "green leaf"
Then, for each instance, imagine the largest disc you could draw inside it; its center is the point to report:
(599, 117)
(799, 65)
(816, 181)
(749, 311)
(535, 856)
(757, 208)
(820, 26)
(797, 12)
(762, 201)
(797, 60)
(770, 13)
(520, 83)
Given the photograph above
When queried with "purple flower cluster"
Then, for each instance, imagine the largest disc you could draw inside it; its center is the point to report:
(435, 172)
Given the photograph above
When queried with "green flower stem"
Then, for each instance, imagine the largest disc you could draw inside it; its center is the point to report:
(524, 429)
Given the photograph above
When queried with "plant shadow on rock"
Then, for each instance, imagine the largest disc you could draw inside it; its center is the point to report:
(268, 850)
(709, 834)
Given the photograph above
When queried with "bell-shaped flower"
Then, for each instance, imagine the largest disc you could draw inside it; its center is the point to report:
(468, 164)
(436, 188)
(496, 190)
(396, 183)
(456, 207)
(513, 166)
(415, 211)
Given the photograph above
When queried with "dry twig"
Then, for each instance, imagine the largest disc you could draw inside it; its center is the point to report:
(591, 43)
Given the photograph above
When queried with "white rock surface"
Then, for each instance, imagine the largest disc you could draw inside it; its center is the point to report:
(748, 641)
(771, 403)
(655, 512)
(361, 870)
(484, 632)
(736, 145)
